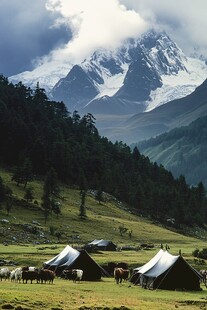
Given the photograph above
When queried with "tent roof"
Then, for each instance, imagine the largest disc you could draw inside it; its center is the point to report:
(151, 263)
(100, 242)
(64, 258)
(163, 264)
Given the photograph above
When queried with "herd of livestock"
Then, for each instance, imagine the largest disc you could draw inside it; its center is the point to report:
(25, 274)
(31, 274)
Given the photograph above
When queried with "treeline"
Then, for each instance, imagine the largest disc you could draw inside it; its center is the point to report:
(44, 133)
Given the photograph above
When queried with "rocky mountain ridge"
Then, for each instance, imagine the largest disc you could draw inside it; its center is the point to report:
(136, 77)
(126, 76)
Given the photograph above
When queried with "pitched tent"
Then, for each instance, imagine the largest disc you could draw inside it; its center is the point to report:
(170, 272)
(70, 258)
(103, 245)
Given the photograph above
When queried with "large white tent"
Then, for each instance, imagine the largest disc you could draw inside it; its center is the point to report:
(167, 271)
(69, 258)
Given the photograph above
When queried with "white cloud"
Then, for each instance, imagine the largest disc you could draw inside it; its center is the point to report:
(94, 24)
(185, 21)
(44, 27)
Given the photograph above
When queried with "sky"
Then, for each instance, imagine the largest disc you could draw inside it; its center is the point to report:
(34, 32)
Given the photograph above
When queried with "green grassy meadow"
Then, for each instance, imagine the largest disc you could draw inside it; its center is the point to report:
(102, 222)
(105, 294)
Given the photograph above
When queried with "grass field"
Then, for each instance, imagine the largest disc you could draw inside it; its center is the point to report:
(65, 294)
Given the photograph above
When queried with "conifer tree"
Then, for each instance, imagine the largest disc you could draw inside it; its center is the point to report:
(51, 189)
(29, 194)
(82, 210)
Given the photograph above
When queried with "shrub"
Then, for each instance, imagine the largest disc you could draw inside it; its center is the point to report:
(200, 253)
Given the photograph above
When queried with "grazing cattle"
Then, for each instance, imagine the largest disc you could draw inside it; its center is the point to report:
(67, 274)
(74, 274)
(121, 274)
(77, 274)
(45, 275)
(18, 274)
(4, 273)
(30, 276)
(12, 275)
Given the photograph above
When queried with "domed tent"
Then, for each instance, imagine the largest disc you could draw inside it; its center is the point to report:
(70, 258)
(166, 271)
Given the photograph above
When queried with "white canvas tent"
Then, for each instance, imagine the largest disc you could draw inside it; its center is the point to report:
(167, 271)
(70, 258)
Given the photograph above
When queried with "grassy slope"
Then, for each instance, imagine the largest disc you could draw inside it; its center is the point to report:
(103, 220)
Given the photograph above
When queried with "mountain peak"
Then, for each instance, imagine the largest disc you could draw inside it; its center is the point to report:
(130, 73)
(141, 74)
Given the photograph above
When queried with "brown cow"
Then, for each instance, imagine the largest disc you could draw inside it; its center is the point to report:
(121, 274)
(45, 275)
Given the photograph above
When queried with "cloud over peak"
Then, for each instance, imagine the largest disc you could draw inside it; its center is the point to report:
(96, 24)
(70, 30)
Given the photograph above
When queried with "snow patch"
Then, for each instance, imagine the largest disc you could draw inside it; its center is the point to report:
(112, 83)
(179, 85)
(47, 75)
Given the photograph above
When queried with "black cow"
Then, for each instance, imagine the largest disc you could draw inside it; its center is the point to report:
(30, 276)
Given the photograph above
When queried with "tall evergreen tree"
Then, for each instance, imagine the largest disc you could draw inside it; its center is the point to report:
(50, 190)
(82, 210)
(23, 174)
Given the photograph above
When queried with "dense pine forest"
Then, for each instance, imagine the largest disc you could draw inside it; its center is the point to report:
(43, 134)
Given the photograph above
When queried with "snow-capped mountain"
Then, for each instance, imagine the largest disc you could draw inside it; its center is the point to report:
(121, 81)
(137, 77)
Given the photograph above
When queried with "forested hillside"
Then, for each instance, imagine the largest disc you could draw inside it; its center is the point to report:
(42, 132)
(182, 151)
